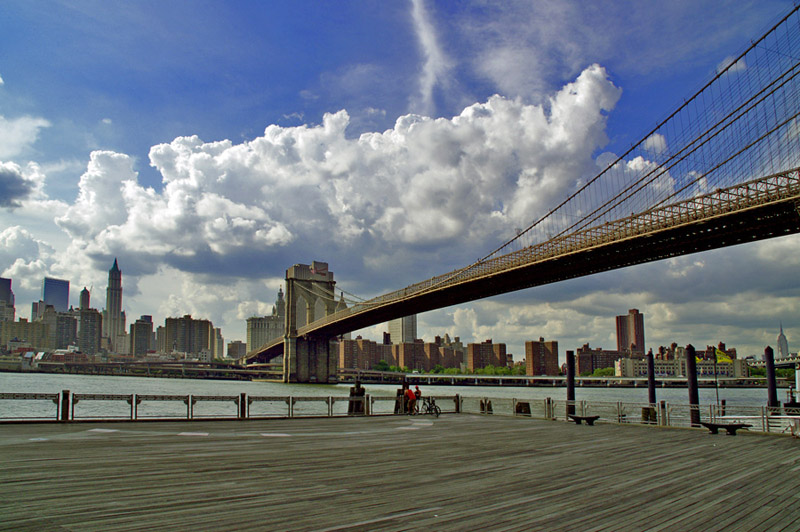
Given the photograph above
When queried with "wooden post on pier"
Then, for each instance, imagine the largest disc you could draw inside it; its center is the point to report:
(64, 405)
(772, 385)
(649, 412)
(243, 406)
(570, 383)
(691, 382)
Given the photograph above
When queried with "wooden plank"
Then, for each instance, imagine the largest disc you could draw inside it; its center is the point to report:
(392, 473)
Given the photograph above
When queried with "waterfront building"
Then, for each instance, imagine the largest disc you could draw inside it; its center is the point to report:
(783, 345)
(711, 352)
(218, 345)
(587, 360)
(411, 355)
(541, 357)
(630, 333)
(161, 340)
(261, 330)
(141, 335)
(7, 309)
(90, 330)
(61, 328)
(459, 351)
(403, 330)
(237, 349)
(113, 316)
(30, 333)
(189, 336)
(486, 354)
(55, 292)
(364, 354)
(634, 367)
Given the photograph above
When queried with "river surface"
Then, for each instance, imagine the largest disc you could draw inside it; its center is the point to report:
(102, 384)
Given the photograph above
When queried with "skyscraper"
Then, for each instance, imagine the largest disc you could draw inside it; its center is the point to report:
(89, 330)
(403, 330)
(55, 292)
(261, 330)
(7, 310)
(114, 319)
(630, 333)
(85, 299)
(141, 335)
(783, 345)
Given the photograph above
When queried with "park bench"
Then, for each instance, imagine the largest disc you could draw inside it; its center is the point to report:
(730, 428)
(588, 419)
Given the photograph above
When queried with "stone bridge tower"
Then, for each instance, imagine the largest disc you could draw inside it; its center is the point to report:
(308, 358)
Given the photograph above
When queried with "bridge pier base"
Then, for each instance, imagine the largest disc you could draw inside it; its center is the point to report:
(309, 360)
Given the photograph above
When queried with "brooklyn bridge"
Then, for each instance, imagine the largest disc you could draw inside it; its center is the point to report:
(722, 169)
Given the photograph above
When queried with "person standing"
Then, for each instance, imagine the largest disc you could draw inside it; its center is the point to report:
(412, 401)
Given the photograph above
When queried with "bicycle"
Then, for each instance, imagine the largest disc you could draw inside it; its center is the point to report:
(429, 406)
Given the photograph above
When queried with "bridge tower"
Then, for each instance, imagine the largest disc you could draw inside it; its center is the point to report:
(309, 358)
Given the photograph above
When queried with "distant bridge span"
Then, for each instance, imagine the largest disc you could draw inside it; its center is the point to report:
(757, 210)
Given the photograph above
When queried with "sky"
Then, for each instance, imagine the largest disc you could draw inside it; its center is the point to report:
(209, 146)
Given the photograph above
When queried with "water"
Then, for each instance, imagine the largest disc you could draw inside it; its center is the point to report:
(315, 395)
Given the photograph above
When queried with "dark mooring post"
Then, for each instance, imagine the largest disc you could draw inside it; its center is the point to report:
(649, 412)
(570, 382)
(355, 407)
(772, 385)
(691, 382)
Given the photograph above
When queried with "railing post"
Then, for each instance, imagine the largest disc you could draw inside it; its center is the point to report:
(65, 405)
(243, 406)
(662, 413)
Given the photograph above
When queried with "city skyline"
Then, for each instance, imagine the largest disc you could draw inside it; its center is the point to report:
(208, 179)
(632, 326)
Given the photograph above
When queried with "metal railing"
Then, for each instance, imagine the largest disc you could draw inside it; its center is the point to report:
(66, 406)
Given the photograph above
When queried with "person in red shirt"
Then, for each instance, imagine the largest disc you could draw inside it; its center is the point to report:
(412, 401)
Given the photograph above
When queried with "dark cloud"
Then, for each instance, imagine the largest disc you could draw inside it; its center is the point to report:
(13, 186)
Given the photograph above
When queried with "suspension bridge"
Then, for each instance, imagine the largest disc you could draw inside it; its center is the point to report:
(722, 169)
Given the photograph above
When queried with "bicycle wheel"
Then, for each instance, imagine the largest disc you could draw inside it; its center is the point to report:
(436, 410)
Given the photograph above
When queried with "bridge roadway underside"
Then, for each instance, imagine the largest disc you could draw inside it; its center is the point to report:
(394, 473)
(758, 223)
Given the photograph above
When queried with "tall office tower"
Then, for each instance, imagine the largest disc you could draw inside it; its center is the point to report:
(55, 292)
(541, 358)
(403, 330)
(630, 333)
(261, 330)
(783, 345)
(7, 309)
(141, 335)
(85, 299)
(114, 320)
(90, 331)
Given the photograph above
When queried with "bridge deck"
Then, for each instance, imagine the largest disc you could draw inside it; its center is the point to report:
(394, 473)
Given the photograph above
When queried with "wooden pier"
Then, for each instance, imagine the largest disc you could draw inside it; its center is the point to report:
(457, 472)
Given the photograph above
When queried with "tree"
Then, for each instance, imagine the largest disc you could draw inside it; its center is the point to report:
(382, 365)
(603, 372)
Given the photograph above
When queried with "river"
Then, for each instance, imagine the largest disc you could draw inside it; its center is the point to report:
(99, 384)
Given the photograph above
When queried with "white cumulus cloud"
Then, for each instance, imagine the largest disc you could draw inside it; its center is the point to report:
(18, 134)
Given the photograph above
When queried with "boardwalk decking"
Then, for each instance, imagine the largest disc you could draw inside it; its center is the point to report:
(457, 472)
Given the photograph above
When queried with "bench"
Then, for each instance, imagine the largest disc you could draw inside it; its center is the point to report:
(730, 428)
(588, 419)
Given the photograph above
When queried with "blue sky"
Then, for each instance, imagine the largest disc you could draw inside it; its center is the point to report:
(210, 145)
